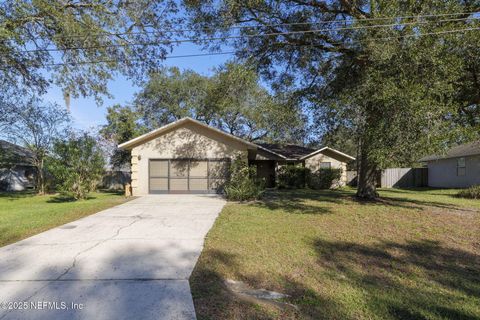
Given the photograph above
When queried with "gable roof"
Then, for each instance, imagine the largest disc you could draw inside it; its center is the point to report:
(287, 151)
(14, 154)
(157, 132)
(463, 150)
(341, 154)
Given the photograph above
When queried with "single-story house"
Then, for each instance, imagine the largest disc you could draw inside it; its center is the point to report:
(188, 156)
(459, 167)
(16, 170)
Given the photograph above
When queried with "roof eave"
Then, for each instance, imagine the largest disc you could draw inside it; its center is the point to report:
(327, 148)
(145, 137)
(272, 152)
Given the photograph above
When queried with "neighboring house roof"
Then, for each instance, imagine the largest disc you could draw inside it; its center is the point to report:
(285, 151)
(14, 154)
(289, 151)
(463, 150)
(157, 132)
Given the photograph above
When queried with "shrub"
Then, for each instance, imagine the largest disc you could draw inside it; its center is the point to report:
(292, 177)
(472, 193)
(77, 165)
(325, 178)
(243, 184)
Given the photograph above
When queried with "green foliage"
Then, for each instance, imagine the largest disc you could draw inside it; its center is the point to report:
(471, 193)
(243, 185)
(292, 177)
(171, 94)
(401, 98)
(122, 125)
(77, 165)
(35, 125)
(96, 30)
(232, 100)
(325, 178)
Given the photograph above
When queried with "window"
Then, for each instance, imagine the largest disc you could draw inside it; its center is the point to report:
(461, 167)
(325, 165)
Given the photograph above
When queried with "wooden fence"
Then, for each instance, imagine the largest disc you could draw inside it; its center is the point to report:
(404, 177)
(396, 178)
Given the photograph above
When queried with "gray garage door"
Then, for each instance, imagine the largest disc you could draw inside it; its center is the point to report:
(187, 175)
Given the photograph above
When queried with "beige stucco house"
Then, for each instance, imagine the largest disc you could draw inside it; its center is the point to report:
(188, 156)
(459, 167)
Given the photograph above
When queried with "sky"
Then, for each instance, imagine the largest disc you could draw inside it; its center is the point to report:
(88, 115)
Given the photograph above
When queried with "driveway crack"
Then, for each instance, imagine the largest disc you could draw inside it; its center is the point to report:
(117, 233)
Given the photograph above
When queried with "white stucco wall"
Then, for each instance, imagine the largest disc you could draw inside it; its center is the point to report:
(443, 173)
(188, 141)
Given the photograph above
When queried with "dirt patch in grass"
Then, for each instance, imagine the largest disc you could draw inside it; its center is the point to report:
(413, 255)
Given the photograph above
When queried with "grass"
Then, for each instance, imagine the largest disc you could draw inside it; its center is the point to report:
(23, 214)
(413, 255)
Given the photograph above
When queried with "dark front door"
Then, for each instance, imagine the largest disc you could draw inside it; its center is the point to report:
(266, 172)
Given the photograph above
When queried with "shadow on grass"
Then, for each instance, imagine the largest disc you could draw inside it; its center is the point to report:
(413, 280)
(308, 201)
(213, 300)
(303, 201)
(62, 198)
(15, 195)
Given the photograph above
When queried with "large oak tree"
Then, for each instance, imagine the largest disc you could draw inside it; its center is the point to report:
(399, 75)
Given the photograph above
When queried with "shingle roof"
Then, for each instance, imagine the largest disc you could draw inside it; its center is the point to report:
(289, 151)
(463, 150)
(12, 153)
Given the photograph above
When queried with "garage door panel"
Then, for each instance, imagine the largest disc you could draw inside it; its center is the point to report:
(218, 169)
(178, 184)
(198, 184)
(199, 169)
(159, 168)
(188, 175)
(159, 184)
(179, 168)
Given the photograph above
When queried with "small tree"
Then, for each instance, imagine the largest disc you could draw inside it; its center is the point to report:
(243, 184)
(122, 125)
(77, 165)
(36, 125)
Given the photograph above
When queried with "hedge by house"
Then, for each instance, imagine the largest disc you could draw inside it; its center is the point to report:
(325, 178)
(298, 177)
(292, 177)
(243, 183)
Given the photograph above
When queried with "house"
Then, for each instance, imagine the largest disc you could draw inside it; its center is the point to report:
(459, 167)
(16, 170)
(188, 156)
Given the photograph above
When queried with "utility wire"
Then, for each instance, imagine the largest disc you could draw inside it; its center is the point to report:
(178, 41)
(262, 26)
(233, 52)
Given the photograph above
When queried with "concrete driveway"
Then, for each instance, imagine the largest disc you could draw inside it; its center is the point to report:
(131, 261)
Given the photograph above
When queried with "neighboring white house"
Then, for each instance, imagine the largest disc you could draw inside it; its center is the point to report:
(458, 168)
(16, 171)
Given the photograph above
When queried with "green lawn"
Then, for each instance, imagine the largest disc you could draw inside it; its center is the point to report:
(25, 214)
(413, 255)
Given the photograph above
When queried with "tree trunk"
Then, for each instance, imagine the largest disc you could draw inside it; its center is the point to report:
(367, 177)
(40, 177)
